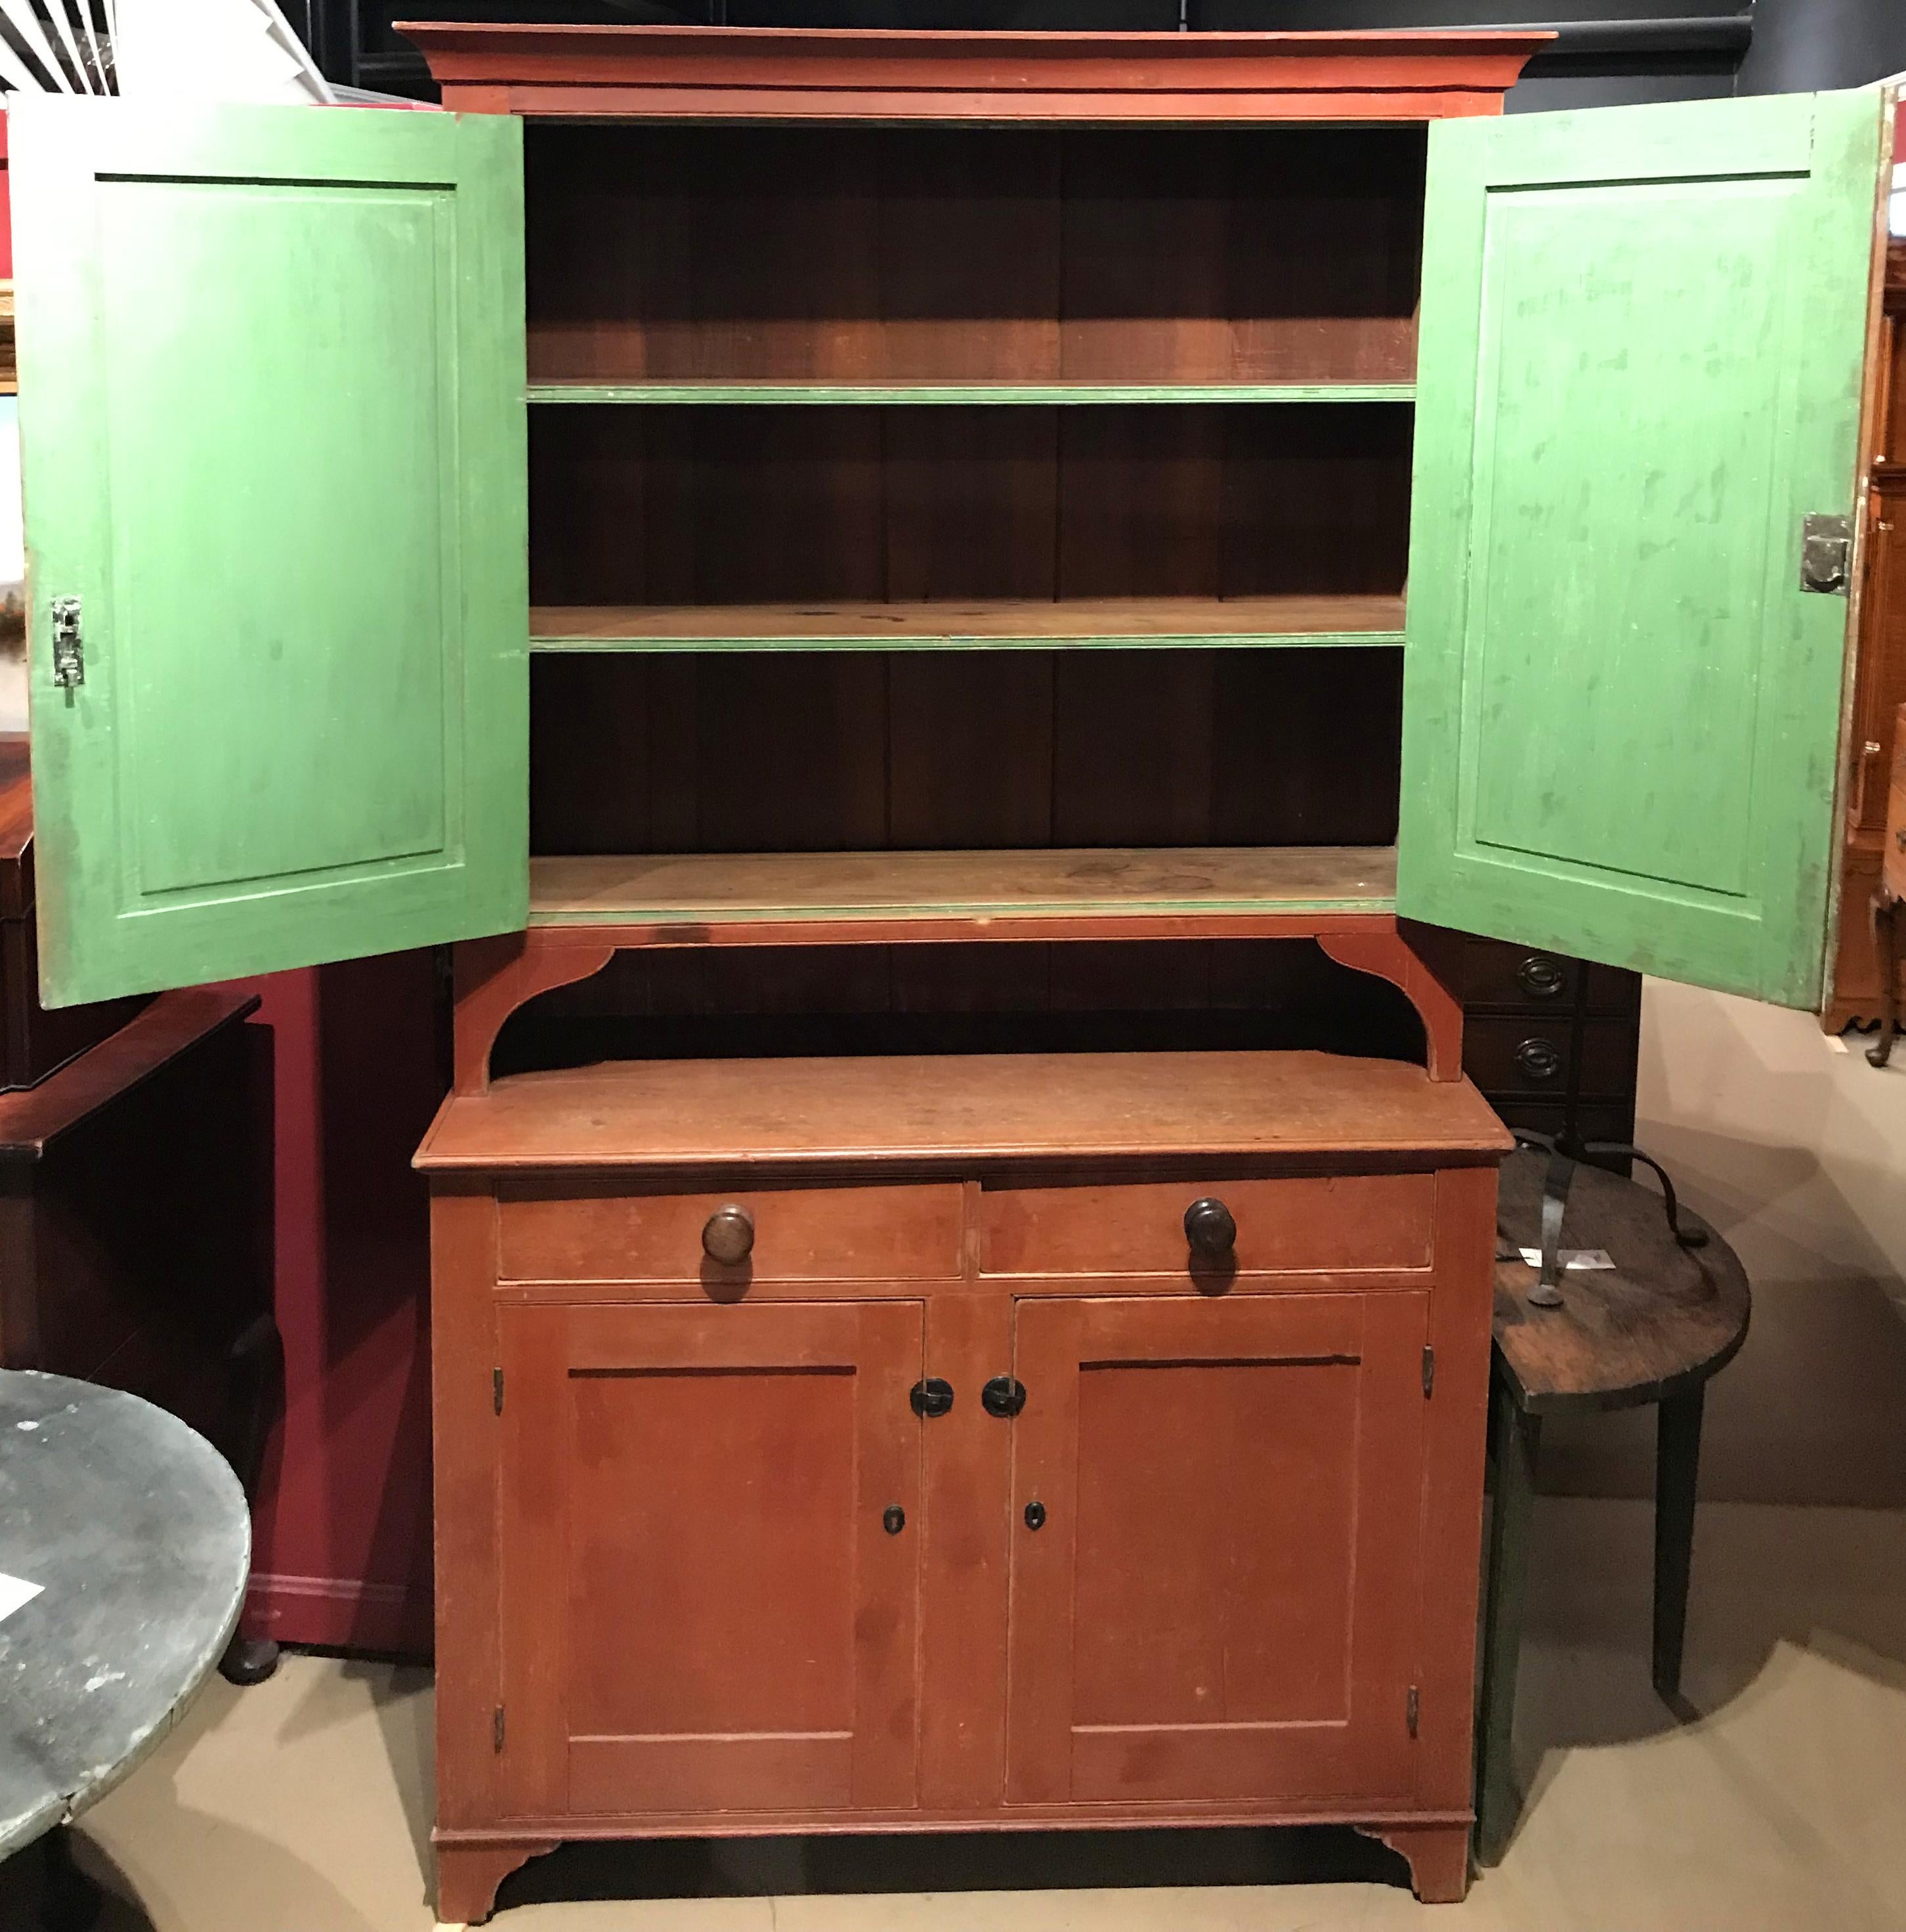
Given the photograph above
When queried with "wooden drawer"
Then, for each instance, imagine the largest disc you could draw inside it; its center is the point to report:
(1513, 1056)
(616, 1232)
(1287, 1224)
(1497, 974)
(1498, 977)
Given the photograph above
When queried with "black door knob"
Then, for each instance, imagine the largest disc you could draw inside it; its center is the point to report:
(1209, 1227)
(1035, 1515)
(1004, 1396)
(729, 1234)
(931, 1397)
(893, 1518)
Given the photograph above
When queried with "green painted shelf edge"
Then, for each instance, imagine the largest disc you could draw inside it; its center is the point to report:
(955, 393)
(1188, 640)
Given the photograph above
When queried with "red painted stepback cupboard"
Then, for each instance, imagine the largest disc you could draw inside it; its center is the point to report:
(979, 520)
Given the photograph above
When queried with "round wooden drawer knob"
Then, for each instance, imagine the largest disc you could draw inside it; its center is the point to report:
(1209, 1227)
(729, 1236)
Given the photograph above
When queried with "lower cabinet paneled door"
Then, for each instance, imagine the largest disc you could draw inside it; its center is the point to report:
(711, 1569)
(1216, 1518)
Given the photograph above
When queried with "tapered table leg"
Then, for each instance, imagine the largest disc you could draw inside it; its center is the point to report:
(1677, 1469)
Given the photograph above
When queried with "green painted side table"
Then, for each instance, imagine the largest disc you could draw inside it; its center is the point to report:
(1672, 1312)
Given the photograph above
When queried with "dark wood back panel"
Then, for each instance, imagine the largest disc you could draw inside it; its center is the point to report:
(758, 1002)
(776, 504)
(863, 752)
(902, 254)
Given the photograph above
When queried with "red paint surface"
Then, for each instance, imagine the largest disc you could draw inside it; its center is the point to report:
(342, 1556)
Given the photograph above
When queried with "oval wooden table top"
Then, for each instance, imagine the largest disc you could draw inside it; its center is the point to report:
(1663, 1317)
(138, 1535)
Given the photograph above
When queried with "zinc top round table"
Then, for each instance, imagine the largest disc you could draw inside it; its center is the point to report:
(137, 1532)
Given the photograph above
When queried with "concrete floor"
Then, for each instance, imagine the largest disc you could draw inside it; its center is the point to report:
(303, 1806)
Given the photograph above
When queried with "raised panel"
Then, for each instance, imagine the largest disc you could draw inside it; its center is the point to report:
(703, 1607)
(1179, 1621)
(272, 435)
(1220, 1601)
(1642, 344)
(239, 552)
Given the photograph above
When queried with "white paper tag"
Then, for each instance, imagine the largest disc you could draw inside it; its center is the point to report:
(14, 1591)
(1572, 1258)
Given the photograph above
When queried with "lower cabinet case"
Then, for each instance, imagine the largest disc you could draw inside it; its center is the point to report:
(783, 1544)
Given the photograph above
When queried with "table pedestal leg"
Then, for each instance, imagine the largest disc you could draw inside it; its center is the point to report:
(257, 1362)
(70, 1900)
(1677, 1467)
(1517, 1438)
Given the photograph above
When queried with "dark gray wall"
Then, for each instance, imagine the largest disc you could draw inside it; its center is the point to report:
(1801, 44)
(353, 41)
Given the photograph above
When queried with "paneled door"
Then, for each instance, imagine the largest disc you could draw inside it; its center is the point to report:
(1639, 379)
(1216, 1535)
(711, 1537)
(272, 436)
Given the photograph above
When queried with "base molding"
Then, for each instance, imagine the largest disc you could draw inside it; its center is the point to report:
(1438, 1856)
(469, 1873)
(472, 1862)
(338, 1613)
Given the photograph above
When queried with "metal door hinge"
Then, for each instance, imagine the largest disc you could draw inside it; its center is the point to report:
(1429, 1372)
(69, 648)
(496, 1390)
(496, 1728)
(1826, 555)
(1412, 1709)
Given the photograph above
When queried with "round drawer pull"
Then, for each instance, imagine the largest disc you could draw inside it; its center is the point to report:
(1541, 977)
(1210, 1227)
(729, 1236)
(1538, 1059)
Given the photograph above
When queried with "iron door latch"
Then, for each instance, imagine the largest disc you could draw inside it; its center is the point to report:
(1826, 555)
(69, 651)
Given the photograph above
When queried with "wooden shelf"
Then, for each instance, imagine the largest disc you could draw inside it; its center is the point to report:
(1103, 622)
(969, 393)
(1295, 886)
(833, 1112)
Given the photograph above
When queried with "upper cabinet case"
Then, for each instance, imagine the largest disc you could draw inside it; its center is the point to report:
(272, 432)
(1642, 341)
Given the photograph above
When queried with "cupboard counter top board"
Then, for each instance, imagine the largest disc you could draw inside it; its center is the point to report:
(962, 1108)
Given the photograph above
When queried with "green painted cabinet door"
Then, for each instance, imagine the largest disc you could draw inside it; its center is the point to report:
(1642, 338)
(272, 430)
